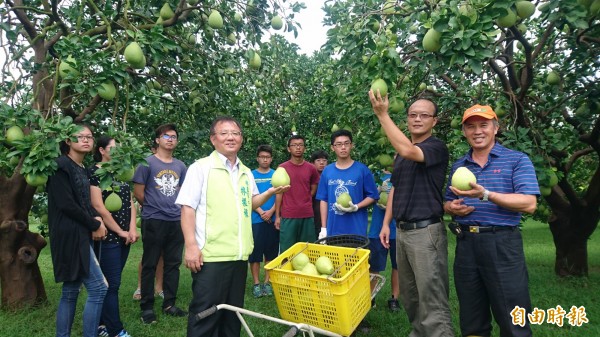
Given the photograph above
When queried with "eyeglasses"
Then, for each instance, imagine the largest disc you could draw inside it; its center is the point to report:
(167, 137)
(82, 138)
(264, 157)
(298, 146)
(421, 116)
(224, 133)
(346, 144)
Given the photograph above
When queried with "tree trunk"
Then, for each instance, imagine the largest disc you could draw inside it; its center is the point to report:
(571, 230)
(20, 278)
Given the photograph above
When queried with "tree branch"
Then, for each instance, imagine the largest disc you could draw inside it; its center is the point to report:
(575, 156)
(89, 108)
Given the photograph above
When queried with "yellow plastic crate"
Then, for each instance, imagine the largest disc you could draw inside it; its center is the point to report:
(337, 303)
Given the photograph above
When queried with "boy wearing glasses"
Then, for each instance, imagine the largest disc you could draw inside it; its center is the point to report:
(293, 209)
(345, 175)
(266, 236)
(415, 202)
(156, 187)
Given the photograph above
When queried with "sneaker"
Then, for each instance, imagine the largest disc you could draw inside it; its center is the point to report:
(160, 294)
(123, 333)
(267, 289)
(257, 290)
(148, 316)
(175, 311)
(393, 304)
(102, 332)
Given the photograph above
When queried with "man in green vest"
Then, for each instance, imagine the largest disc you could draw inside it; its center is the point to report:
(217, 199)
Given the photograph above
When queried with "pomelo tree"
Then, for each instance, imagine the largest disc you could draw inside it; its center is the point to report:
(479, 54)
(123, 67)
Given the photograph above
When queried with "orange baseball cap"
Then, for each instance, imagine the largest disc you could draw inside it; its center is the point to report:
(484, 111)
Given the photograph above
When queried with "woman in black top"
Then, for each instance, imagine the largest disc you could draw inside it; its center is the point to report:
(114, 250)
(73, 224)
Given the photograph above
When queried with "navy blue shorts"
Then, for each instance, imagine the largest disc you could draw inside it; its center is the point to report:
(266, 242)
(379, 254)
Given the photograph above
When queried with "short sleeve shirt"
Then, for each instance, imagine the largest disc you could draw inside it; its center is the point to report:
(162, 183)
(506, 171)
(297, 201)
(418, 186)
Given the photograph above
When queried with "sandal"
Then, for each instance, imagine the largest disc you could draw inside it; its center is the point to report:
(137, 294)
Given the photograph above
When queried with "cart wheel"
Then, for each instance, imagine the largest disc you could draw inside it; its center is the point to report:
(347, 240)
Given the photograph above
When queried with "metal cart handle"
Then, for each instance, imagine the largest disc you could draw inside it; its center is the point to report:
(291, 332)
(206, 313)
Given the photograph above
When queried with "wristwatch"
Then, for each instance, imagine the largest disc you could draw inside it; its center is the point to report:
(486, 195)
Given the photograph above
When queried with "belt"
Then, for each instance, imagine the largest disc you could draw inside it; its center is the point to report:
(405, 225)
(486, 229)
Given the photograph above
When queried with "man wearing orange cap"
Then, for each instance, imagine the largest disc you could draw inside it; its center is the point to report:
(490, 273)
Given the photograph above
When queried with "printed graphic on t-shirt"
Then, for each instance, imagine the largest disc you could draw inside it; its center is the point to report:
(386, 185)
(167, 182)
(339, 189)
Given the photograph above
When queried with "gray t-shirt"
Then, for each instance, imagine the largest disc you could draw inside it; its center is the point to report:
(162, 183)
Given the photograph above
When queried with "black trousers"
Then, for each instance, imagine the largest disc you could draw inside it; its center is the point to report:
(166, 237)
(217, 283)
(491, 277)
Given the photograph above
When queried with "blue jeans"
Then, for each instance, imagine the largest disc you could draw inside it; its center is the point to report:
(112, 258)
(96, 288)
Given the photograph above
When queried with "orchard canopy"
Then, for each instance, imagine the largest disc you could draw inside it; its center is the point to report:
(125, 67)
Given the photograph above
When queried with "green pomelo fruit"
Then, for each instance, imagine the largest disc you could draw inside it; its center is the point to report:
(14, 134)
(135, 56)
(344, 199)
(525, 9)
(545, 191)
(166, 12)
(324, 265)
(255, 61)
(280, 177)
(455, 123)
(276, 22)
(396, 105)
(310, 269)
(461, 179)
(334, 128)
(500, 112)
(389, 7)
(231, 39)
(595, 8)
(299, 261)
(237, 18)
(383, 198)
(379, 85)
(422, 86)
(126, 175)
(553, 178)
(431, 41)
(113, 202)
(107, 91)
(67, 67)
(215, 20)
(36, 180)
(508, 20)
(553, 78)
(44, 218)
(14, 161)
(386, 160)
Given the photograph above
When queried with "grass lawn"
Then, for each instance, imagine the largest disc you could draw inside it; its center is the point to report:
(547, 292)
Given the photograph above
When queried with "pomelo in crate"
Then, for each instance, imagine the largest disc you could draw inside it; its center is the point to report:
(336, 303)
